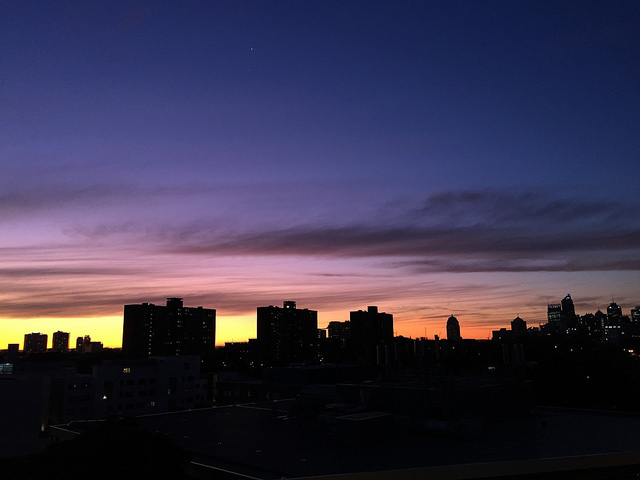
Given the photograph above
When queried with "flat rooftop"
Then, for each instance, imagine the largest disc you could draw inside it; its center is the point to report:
(263, 441)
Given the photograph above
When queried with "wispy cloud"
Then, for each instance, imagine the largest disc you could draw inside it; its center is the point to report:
(237, 266)
(455, 232)
(524, 209)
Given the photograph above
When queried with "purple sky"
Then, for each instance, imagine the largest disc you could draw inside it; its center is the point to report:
(475, 158)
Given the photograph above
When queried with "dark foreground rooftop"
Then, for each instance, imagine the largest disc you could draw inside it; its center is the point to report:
(263, 441)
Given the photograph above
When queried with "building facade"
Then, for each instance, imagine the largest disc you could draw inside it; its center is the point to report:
(168, 330)
(35, 342)
(371, 336)
(126, 388)
(60, 342)
(287, 334)
(453, 329)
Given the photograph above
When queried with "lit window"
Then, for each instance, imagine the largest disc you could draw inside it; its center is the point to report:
(126, 370)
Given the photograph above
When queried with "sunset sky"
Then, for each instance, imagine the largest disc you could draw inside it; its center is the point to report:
(428, 157)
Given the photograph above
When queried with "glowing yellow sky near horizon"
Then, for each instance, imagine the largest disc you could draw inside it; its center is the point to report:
(108, 330)
(239, 328)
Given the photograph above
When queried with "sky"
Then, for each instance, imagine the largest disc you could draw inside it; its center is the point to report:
(432, 158)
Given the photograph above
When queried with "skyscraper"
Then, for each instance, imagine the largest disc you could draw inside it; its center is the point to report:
(287, 334)
(453, 329)
(614, 312)
(568, 312)
(168, 330)
(554, 313)
(568, 309)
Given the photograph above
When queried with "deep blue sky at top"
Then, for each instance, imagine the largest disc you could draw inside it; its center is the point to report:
(387, 140)
(467, 94)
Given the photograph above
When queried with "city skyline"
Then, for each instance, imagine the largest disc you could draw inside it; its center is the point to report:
(431, 158)
(442, 331)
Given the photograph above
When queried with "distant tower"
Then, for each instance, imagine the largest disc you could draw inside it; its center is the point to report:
(453, 329)
(635, 314)
(340, 332)
(614, 312)
(554, 313)
(173, 329)
(35, 342)
(518, 326)
(371, 335)
(568, 309)
(287, 334)
(568, 312)
(60, 341)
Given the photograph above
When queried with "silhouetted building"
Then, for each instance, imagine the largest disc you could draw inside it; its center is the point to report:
(371, 335)
(60, 342)
(238, 356)
(568, 312)
(518, 326)
(592, 326)
(568, 309)
(635, 315)
(86, 345)
(512, 342)
(287, 334)
(125, 388)
(35, 342)
(453, 329)
(168, 330)
(614, 312)
(554, 313)
(339, 331)
(501, 335)
(336, 347)
(601, 318)
(13, 353)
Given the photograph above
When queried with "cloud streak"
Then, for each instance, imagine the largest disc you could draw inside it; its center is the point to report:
(468, 232)
(402, 257)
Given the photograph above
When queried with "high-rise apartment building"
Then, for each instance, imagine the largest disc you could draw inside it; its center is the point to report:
(168, 330)
(287, 334)
(371, 335)
(60, 342)
(35, 342)
(339, 332)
